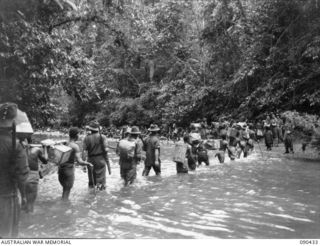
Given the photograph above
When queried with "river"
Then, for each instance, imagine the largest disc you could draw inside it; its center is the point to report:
(258, 197)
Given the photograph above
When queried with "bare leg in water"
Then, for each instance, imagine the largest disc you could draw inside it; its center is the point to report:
(66, 194)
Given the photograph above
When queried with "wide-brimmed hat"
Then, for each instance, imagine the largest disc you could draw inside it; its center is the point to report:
(94, 126)
(154, 128)
(134, 130)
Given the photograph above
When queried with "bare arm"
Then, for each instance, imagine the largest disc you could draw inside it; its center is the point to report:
(21, 168)
(81, 161)
(157, 154)
(42, 158)
(138, 151)
(84, 148)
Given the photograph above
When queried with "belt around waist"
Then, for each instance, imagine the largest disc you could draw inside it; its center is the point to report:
(94, 155)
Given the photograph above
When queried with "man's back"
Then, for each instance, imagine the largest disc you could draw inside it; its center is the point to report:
(14, 166)
(35, 153)
(151, 143)
(127, 149)
(91, 143)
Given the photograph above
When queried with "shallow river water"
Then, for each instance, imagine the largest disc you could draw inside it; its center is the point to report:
(258, 197)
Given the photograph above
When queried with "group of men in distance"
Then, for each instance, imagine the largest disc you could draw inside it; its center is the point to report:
(235, 139)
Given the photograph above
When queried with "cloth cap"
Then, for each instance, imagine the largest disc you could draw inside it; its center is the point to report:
(8, 112)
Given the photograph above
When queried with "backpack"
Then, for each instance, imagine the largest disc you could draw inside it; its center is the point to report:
(180, 150)
(127, 150)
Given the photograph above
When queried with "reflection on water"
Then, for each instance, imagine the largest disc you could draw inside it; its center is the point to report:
(252, 198)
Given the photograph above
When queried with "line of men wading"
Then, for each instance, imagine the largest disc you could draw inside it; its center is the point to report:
(19, 166)
(20, 169)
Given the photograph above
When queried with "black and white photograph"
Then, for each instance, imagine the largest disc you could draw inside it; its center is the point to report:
(159, 119)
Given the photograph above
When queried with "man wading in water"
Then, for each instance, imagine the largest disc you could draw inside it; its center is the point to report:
(129, 150)
(66, 170)
(14, 171)
(96, 146)
(29, 191)
(151, 145)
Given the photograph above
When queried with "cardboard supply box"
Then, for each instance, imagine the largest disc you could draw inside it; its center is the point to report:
(180, 150)
(60, 154)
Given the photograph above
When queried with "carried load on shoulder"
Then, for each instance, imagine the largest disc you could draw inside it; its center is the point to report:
(180, 150)
(58, 152)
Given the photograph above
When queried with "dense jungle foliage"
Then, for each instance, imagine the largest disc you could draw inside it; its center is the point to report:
(67, 61)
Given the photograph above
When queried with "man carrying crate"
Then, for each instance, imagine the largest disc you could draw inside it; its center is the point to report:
(180, 155)
(29, 191)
